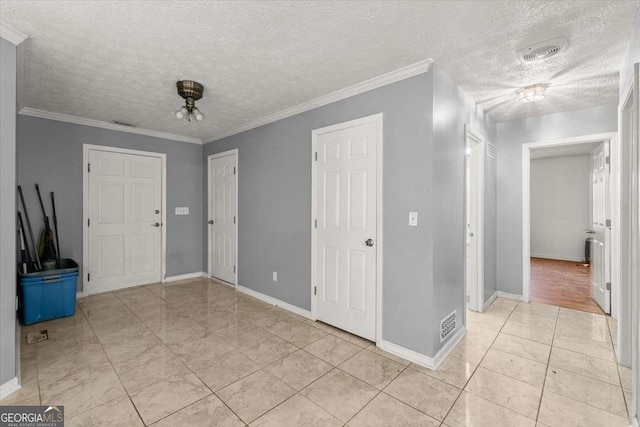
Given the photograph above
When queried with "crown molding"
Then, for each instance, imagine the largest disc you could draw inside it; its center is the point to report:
(11, 34)
(105, 125)
(356, 89)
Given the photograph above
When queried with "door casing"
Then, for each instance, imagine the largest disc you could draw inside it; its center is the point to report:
(233, 152)
(378, 119)
(86, 284)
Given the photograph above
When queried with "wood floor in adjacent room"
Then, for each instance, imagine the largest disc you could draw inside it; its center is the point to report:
(562, 283)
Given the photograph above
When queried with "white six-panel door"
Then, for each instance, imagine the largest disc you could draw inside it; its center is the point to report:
(223, 217)
(346, 232)
(124, 220)
(600, 232)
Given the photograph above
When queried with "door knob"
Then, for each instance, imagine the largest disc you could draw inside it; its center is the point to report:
(156, 224)
(210, 221)
(369, 242)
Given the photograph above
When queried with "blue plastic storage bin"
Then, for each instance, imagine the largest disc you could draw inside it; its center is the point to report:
(51, 294)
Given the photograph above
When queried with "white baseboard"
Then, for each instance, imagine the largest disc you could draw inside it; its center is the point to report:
(507, 295)
(9, 387)
(432, 363)
(557, 258)
(274, 301)
(634, 423)
(491, 299)
(187, 276)
(79, 294)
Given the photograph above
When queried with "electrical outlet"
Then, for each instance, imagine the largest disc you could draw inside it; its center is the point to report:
(275, 276)
(413, 219)
(182, 211)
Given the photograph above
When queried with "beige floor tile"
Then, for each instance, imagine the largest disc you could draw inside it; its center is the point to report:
(559, 411)
(372, 368)
(474, 345)
(243, 336)
(223, 370)
(520, 397)
(583, 364)
(150, 366)
(340, 394)
(474, 411)
(297, 411)
(452, 371)
(522, 347)
(505, 303)
(530, 332)
(320, 325)
(202, 349)
(297, 333)
(398, 359)
(427, 394)
(168, 395)
(254, 395)
(299, 369)
(207, 412)
(119, 412)
(517, 367)
(586, 390)
(353, 339)
(385, 411)
(626, 377)
(268, 351)
(494, 321)
(333, 349)
(589, 347)
(533, 319)
(29, 392)
(543, 310)
(595, 331)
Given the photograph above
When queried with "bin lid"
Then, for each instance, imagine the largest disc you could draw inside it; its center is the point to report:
(66, 266)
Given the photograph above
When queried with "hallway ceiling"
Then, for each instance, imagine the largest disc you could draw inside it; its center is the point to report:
(119, 60)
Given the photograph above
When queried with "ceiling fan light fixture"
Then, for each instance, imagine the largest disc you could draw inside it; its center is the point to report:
(533, 93)
(191, 91)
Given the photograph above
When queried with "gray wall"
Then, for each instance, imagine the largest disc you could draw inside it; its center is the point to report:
(7, 211)
(560, 206)
(452, 109)
(50, 154)
(420, 174)
(511, 136)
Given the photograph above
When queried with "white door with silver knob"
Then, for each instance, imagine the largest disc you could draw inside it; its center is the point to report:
(345, 265)
(600, 232)
(124, 220)
(223, 216)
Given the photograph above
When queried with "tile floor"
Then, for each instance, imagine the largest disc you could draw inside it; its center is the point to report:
(198, 353)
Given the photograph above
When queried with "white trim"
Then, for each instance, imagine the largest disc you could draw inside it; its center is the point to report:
(12, 35)
(379, 120)
(86, 289)
(432, 363)
(476, 294)
(490, 301)
(26, 111)
(634, 422)
(508, 295)
(274, 301)
(79, 294)
(557, 258)
(526, 195)
(9, 387)
(356, 89)
(187, 276)
(233, 152)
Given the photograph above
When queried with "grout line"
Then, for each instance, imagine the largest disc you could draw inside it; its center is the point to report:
(546, 372)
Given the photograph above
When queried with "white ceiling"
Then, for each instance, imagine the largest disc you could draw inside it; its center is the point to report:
(119, 60)
(564, 150)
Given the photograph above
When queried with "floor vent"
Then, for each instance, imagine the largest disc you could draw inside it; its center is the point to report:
(447, 326)
(34, 337)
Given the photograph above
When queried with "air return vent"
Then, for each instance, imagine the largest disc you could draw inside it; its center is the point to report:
(543, 50)
(448, 325)
(491, 150)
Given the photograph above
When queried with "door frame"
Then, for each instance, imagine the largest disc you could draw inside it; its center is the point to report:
(610, 137)
(210, 157)
(378, 120)
(476, 293)
(86, 285)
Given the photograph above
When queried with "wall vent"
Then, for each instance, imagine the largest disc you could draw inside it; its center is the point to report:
(544, 50)
(491, 150)
(448, 325)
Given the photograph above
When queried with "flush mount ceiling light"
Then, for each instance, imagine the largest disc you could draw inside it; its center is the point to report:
(191, 91)
(533, 93)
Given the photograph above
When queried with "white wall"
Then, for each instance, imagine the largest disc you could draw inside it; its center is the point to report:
(560, 203)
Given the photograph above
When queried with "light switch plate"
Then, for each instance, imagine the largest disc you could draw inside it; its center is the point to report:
(413, 219)
(275, 276)
(182, 211)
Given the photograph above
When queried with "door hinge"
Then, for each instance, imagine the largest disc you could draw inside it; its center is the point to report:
(316, 223)
(234, 268)
(234, 219)
(88, 277)
(608, 223)
(88, 222)
(315, 290)
(608, 286)
(234, 170)
(88, 167)
(316, 156)
(607, 160)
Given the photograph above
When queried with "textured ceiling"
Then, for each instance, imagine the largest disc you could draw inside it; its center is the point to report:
(119, 60)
